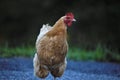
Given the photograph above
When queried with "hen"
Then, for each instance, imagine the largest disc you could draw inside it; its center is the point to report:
(52, 47)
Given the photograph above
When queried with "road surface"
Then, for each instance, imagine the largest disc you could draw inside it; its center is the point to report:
(22, 69)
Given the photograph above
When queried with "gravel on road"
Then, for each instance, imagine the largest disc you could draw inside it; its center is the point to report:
(22, 69)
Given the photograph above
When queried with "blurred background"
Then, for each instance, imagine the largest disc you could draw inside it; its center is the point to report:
(94, 36)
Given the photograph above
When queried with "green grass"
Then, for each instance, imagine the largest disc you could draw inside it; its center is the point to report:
(74, 53)
(99, 54)
(82, 54)
(24, 51)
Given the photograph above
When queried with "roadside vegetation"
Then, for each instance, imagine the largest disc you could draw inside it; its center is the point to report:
(19, 51)
(74, 53)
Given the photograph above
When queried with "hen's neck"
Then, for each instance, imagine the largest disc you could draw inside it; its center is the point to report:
(58, 29)
(60, 24)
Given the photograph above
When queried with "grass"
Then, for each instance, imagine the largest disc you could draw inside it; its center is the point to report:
(74, 53)
(99, 54)
(24, 51)
(82, 54)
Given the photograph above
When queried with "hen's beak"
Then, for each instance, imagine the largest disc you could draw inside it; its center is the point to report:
(74, 20)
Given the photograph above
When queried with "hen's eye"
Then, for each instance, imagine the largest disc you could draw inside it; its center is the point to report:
(67, 17)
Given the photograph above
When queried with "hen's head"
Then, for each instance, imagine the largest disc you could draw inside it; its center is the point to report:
(69, 18)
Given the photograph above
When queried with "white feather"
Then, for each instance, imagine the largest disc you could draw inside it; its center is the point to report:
(36, 64)
(43, 31)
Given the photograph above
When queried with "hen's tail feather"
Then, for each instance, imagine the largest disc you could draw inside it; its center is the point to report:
(45, 28)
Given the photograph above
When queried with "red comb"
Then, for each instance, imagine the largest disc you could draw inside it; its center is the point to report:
(70, 14)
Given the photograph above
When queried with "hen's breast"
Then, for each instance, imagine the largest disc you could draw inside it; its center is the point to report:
(52, 50)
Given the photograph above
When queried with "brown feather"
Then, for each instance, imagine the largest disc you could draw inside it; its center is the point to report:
(52, 50)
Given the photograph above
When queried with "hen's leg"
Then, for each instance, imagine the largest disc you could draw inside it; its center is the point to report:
(55, 78)
(58, 72)
(39, 71)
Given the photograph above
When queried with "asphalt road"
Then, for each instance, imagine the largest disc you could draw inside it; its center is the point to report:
(22, 69)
